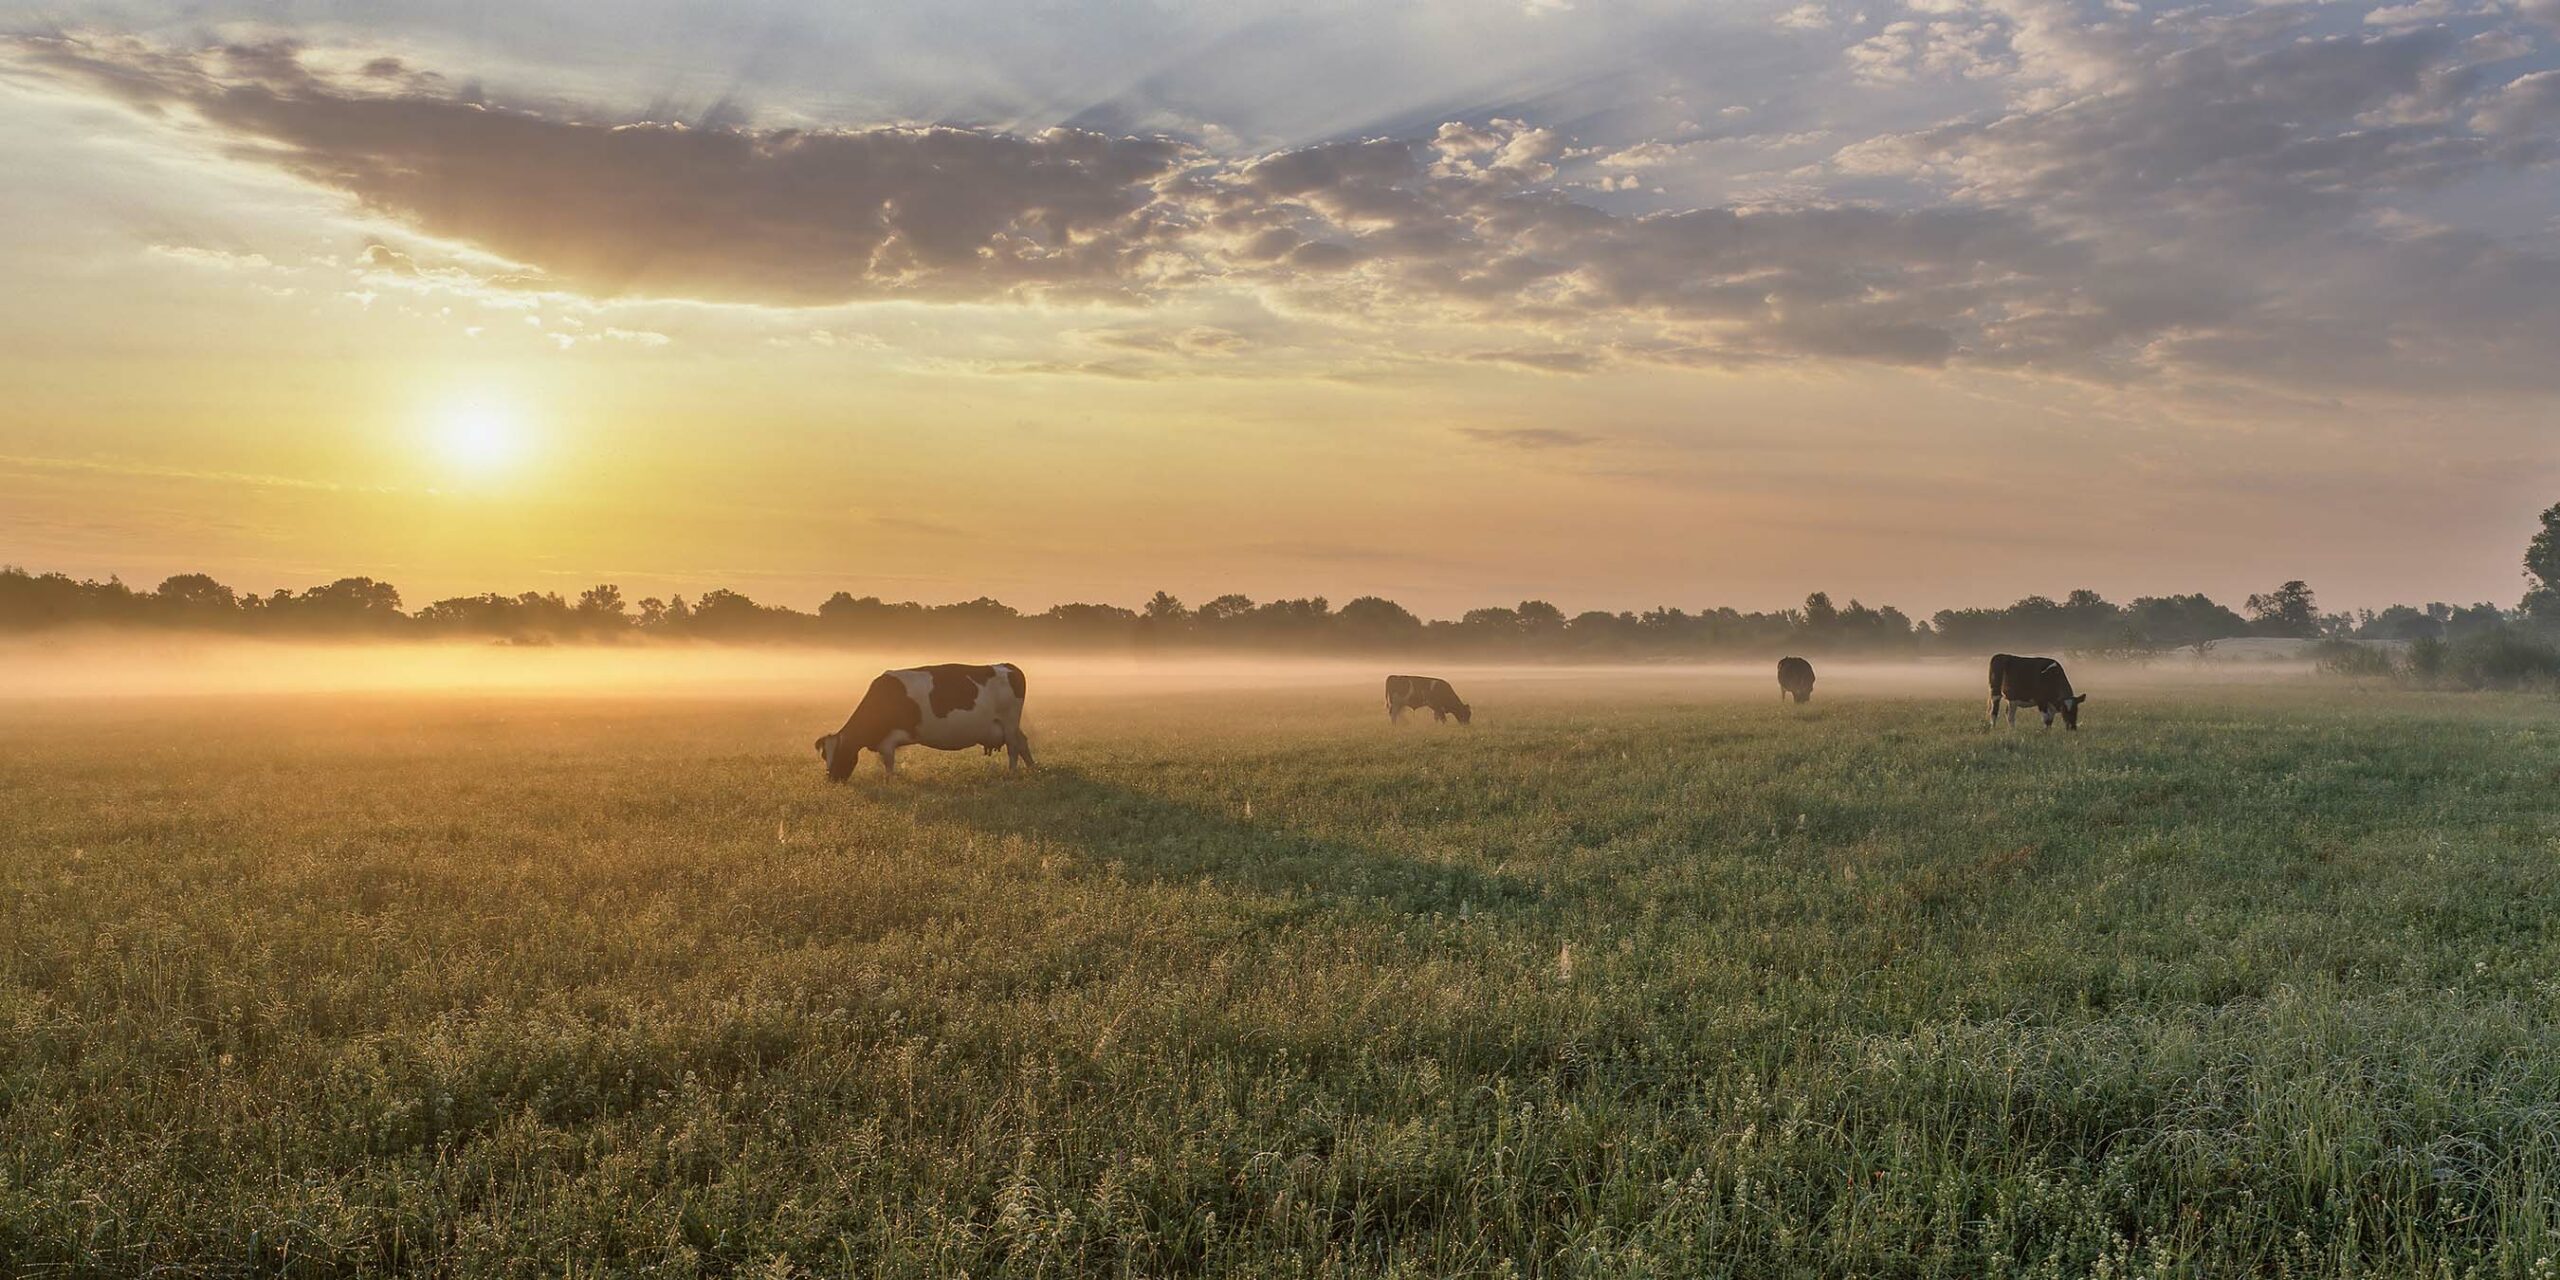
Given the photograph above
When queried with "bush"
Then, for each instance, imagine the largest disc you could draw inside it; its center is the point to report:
(2426, 657)
(2348, 658)
(2507, 658)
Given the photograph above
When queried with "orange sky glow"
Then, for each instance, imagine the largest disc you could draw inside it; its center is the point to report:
(1902, 312)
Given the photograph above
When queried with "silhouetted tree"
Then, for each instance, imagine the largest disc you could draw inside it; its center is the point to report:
(2288, 610)
(197, 597)
(1224, 611)
(1540, 620)
(1821, 617)
(2171, 622)
(1370, 620)
(2542, 569)
(2401, 622)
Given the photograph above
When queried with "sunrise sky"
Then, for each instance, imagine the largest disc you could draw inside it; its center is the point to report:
(1932, 303)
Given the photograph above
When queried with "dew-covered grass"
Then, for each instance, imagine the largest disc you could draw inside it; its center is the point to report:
(2248, 982)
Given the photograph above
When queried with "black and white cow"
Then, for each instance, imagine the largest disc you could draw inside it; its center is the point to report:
(949, 707)
(1425, 693)
(1795, 679)
(2033, 682)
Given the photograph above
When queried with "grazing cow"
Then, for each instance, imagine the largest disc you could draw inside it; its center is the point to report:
(948, 707)
(1795, 679)
(2034, 682)
(1427, 693)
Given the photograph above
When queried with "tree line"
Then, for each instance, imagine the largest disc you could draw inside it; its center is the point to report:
(2082, 621)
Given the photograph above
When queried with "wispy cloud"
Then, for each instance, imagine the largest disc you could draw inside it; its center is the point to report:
(1535, 438)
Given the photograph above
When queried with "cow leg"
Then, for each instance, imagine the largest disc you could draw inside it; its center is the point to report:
(1021, 748)
(2013, 715)
(889, 761)
(1995, 708)
(1395, 714)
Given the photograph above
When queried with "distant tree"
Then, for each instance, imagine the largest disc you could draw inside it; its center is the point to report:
(1821, 617)
(2289, 610)
(2542, 569)
(1540, 620)
(1292, 619)
(983, 616)
(1089, 623)
(196, 596)
(1224, 610)
(729, 615)
(1861, 627)
(1601, 631)
(601, 601)
(1371, 620)
(2401, 622)
(2171, 622)
(53, 599)
(346, 604)
(2472, 620)
(848, 616)
(1166, 610)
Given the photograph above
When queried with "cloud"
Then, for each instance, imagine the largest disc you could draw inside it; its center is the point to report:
(1197, 340)
(663, 210)
(1540, 361)
(2525, 105)
(2196, 198)
(212, 259)
(1533, 438)
(2229, 183)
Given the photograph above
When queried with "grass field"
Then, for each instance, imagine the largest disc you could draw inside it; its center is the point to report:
(2261, 981)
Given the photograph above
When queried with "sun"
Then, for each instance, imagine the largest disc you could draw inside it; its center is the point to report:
(480, 439)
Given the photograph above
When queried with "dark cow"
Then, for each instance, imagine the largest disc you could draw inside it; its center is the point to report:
(2033, 682)
(1795, 679)
(1426, 693)
(948, 707)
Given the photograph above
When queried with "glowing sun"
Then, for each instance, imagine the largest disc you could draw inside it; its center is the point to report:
(480, 439)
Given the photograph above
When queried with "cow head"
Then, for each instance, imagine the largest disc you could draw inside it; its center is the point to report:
(840, 756)
(2070, 711)
(1466, 713)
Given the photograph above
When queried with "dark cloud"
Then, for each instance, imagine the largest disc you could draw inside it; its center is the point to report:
(2200, 196)
(2230, 183)
(664, 210)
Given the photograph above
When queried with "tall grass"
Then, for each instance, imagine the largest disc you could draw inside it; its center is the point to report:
(2260, 984)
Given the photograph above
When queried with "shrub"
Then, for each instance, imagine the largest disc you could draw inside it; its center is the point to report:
(2348, 658)
(2426, 657)
(2507, 658)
